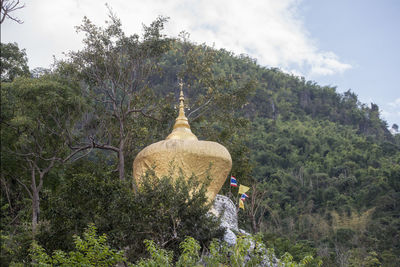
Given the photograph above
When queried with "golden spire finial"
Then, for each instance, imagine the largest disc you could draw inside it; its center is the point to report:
(181, 101)
(181, 128)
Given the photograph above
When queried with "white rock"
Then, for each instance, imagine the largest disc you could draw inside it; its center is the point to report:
(229, 237)
(225, 208)
(223, 205)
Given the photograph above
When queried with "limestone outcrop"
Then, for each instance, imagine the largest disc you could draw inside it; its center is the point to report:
(224, 207)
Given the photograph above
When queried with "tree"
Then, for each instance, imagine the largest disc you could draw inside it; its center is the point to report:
(35, 115)
(14, 62)
(257, 205)
(116, 68)
(8, 6)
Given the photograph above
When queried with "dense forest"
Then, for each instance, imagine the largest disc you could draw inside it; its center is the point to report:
(323, 168)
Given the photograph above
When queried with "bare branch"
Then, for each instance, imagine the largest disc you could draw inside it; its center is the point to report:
(129, 111)
(149, 116)
(22, 154)
(198, 115)
(202, 106)
(141, 111)
(106, 147)
(5, 186)
(7, 7)
(26, 188)
(77, 151)
(13, 220)
(84, 155)
(52, 161)
(90, 146)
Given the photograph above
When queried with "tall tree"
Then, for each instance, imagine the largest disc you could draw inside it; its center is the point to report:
(116, 68)
(35, 115)
(257, 205)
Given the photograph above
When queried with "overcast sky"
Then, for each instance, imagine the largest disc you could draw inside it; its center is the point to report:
(348, 44)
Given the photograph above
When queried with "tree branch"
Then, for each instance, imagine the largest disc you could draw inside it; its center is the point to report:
(8, 7)
(106, 147)
(77, 151)
(202, 106)
(3, 181)
(26, 188)
(141, 111)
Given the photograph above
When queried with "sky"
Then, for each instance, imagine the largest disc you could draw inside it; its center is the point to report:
(347, 44)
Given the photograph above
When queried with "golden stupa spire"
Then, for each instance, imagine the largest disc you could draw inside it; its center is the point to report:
(181, 128)
(182, 104)
(182, 155)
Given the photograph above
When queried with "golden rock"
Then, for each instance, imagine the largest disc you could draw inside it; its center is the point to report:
(182, 153)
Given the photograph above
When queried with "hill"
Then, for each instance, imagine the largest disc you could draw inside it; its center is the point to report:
(325, 166)
(324, 171)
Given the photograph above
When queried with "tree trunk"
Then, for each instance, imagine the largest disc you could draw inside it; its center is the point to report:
(35, 202)
(121, 165)
(254, 223)
(121, 156)
(35, 210)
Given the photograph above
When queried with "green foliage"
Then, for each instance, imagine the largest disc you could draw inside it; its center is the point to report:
(240, 250)
(287, 261)
(37, 114)
(298, 251)
(14, 62)
(91, 250)
(15, 245)
(162, 210)
(39, 110)
(190, 252)
(115, 70)
(323, 180)
(158, 257)
(248, 251)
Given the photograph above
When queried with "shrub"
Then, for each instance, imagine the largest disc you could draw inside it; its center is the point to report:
(91, 250)
(163, 210)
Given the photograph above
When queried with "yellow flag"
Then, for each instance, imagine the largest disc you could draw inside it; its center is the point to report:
(241, 204)
(243, 189)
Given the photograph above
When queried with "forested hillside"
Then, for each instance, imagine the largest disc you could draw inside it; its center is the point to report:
(323, 168)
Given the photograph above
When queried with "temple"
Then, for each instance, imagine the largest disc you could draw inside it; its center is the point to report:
(181, 153)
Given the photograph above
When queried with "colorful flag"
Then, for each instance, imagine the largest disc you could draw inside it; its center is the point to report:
(244, 196)
(241, 204)
(233, 181)
(243, 189)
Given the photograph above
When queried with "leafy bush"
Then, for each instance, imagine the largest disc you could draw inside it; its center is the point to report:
(91, 250)
(248, 251)
(163, 210)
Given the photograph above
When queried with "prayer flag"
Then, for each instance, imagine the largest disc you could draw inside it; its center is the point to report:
(243, 189)
(233, 181)
(244, 196)
(241, 204)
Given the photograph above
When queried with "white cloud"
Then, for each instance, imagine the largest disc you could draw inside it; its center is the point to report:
(269, 30)
(395, 103)
(391, 111)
